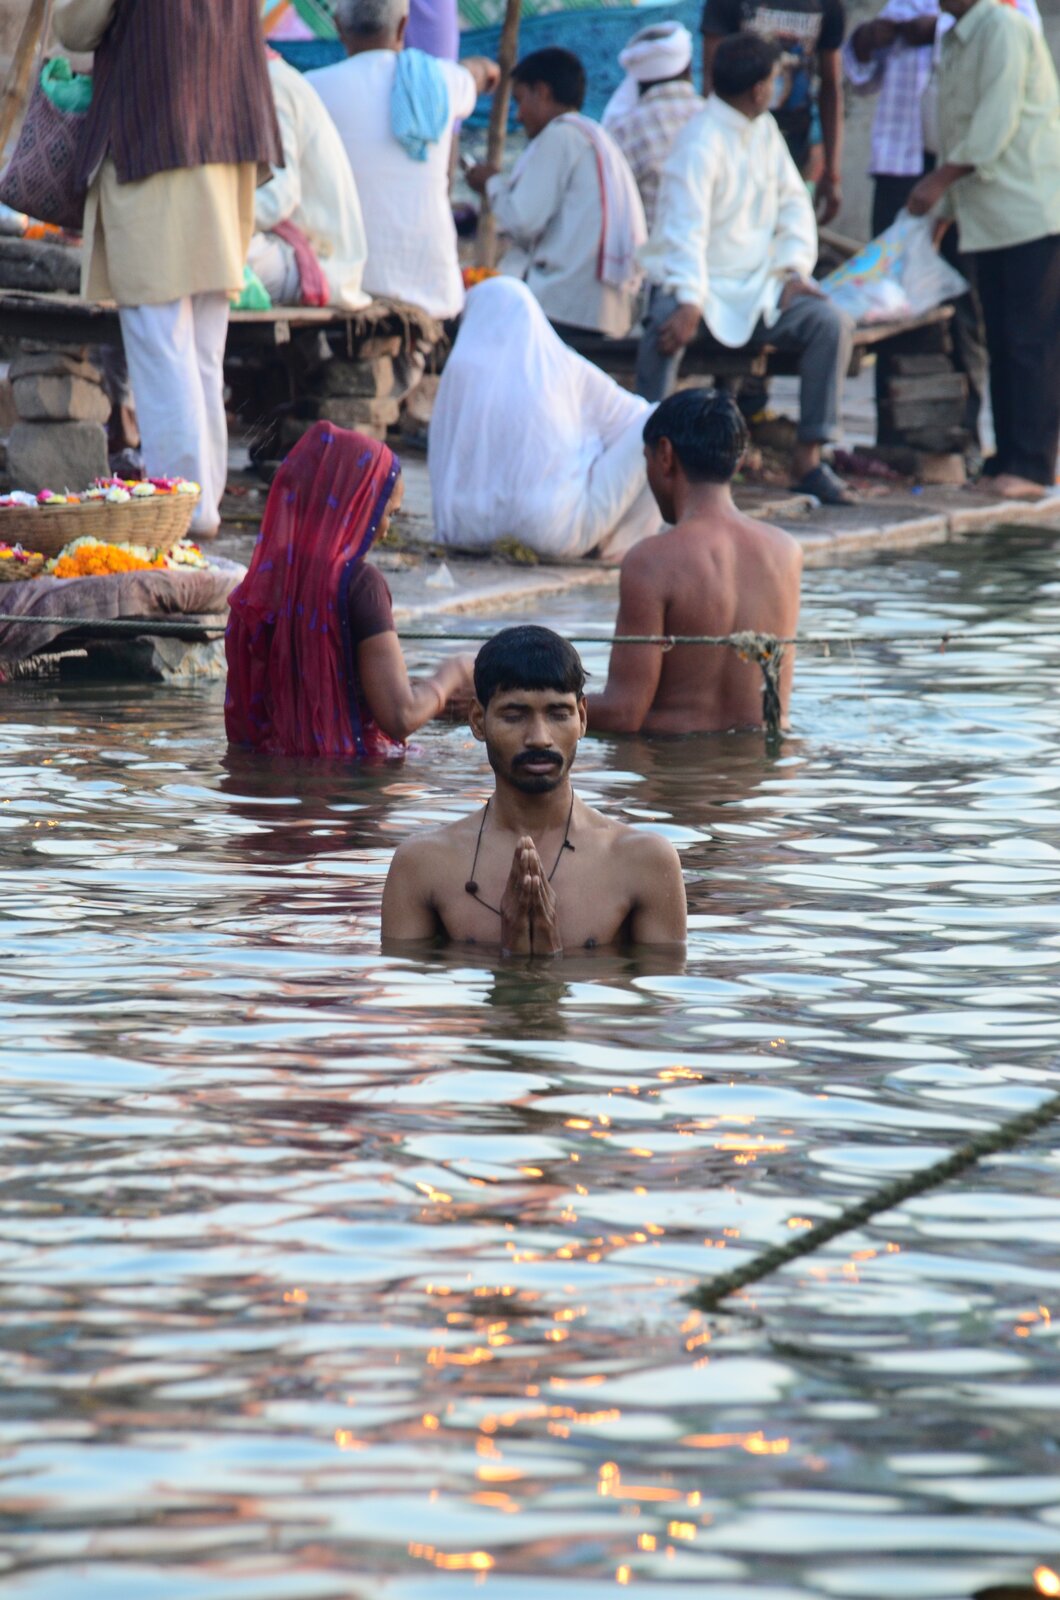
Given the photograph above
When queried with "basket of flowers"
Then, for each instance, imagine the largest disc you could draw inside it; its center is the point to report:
(155, 515)
(16, 564)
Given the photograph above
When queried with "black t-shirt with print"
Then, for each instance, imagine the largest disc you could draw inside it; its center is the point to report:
(800, 28)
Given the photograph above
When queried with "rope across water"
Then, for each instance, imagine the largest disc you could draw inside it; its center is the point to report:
(766, 649)
(1004, 1137)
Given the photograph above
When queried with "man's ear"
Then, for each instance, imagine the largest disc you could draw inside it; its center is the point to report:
(476, 718)
(402, 25)
(665, 455)
(583, 714)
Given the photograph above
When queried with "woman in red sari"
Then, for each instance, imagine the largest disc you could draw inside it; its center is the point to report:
(314, 663)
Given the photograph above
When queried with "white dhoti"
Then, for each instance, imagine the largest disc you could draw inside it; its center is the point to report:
(176, 353)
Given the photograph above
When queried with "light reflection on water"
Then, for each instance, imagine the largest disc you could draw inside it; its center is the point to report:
(330, 1275)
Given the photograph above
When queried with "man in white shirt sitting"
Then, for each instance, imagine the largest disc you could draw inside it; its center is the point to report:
(570, 208)
(395, 117)
(310, 246)
(734, 245)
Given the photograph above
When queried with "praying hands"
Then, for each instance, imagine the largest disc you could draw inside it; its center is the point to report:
(528, 907)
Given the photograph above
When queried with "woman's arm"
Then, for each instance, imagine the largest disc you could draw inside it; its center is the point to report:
(398, 703)
(81, 24)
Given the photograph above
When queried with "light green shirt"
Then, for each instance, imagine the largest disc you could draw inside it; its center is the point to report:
(999, 112)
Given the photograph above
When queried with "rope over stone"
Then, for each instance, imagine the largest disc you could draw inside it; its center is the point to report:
(1004, 1137)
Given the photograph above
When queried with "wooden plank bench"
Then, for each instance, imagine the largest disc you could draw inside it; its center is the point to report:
(705, 356)
(52, 318)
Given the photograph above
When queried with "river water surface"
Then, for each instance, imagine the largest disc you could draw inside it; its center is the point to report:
(330, 1275)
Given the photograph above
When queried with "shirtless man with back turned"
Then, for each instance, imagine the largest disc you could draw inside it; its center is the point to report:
(714, 572)
(536, 871)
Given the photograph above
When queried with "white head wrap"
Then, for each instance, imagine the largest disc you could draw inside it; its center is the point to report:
(663, 50)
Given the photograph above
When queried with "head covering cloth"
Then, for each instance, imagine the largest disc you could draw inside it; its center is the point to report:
(292, 670)
(662, 50)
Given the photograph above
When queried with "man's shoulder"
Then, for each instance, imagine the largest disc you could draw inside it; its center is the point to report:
(423, 849)
(639, 848)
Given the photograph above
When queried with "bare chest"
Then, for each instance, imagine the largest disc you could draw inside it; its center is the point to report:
(592, 909)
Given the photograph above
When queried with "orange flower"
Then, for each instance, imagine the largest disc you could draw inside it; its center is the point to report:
(102, 560)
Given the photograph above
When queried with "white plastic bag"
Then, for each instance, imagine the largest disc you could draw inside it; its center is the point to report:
(900, 274)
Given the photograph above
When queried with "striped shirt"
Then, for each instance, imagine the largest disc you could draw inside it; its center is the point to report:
(180, 83)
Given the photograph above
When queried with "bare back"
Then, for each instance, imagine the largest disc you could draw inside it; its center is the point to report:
(719, 575)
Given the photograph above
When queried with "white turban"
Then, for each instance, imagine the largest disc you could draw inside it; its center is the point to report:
(663, 50)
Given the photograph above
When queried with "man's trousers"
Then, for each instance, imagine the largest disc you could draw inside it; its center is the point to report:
(175, 354)
(811, 328)
(1019, 287)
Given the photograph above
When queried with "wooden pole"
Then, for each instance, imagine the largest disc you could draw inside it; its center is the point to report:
(486, 243)
(16, 88)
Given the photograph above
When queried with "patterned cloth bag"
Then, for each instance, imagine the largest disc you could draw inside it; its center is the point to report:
(41, 176)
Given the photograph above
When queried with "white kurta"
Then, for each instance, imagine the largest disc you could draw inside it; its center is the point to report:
(529, 441)
(315, 188)
(412, 248)
(552, 212)
(733, 219)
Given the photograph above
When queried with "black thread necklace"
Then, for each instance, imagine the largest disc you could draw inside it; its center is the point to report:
(471, 886)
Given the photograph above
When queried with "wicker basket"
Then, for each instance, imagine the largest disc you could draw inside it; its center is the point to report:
(158, 522)
(18, 571)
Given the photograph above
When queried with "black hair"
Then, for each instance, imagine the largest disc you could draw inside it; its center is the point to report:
(707, 432)
(560, 70)
(527, 657)
(741, 61)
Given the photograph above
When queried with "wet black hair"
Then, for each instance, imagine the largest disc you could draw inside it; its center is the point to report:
(707, 432)
(559, 69)
(527, 657)
(741, 61)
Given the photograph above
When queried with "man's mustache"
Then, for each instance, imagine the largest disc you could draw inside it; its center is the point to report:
(535, 758)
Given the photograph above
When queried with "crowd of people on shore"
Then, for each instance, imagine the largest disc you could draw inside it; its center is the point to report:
(676, 214)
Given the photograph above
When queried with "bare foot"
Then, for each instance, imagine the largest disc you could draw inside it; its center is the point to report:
(1007, 486)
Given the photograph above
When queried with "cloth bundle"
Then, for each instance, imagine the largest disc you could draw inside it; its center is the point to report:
(661, 51)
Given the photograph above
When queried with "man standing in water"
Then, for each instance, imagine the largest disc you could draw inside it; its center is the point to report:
(536, 871)
(715, 571)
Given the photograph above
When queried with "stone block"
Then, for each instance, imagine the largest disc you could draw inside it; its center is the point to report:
(367, 380)
(60, 399)
(913, 366)
(364, 416)
(419, 405)
(947, 470)
(372, 349)
(938, 441)
(911, 414)
(56, 455)
(52, 364)
(929, 386)
(8, 414)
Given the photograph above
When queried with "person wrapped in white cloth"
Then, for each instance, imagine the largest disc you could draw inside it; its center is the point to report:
(570, 208)
(653, 103)
(529, 441)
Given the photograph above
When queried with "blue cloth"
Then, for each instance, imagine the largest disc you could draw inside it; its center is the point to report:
(419, 103)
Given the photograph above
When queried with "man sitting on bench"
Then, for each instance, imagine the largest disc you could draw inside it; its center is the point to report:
(734, 245)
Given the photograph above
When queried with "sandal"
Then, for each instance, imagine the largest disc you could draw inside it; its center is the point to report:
(827, 487)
